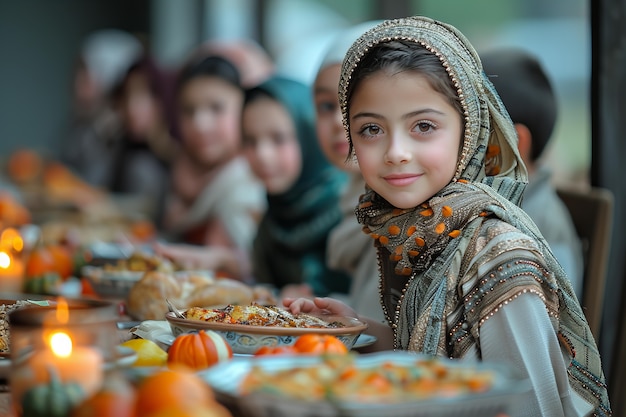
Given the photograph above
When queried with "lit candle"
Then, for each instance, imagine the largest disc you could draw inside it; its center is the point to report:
(61, 350)
(81, 365)
(11, 272)
(11, 266)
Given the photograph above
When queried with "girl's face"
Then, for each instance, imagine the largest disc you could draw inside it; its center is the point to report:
(330, 132)
(210, 114)
(406, 137)
(271, 144)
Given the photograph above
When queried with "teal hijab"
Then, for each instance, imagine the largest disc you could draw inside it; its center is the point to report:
(290, 246)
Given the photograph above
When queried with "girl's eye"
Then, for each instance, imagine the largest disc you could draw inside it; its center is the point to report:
(280, 139)
(370, 130)
(425, 127)
(217, 107)
(324, 107)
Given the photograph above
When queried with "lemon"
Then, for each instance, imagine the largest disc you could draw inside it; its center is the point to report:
(148, 352)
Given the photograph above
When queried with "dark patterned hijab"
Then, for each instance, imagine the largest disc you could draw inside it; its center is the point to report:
(291, 242)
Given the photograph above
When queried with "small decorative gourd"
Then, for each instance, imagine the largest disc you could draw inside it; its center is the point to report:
(54, 399)
(199, 350)
(41, 275)
(116, 398)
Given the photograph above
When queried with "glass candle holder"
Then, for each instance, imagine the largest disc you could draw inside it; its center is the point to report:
(11, 262)
(60, 352)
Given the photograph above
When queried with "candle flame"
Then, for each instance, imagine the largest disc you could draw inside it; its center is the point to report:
(61, 344)
(5, 260)
(62, 312)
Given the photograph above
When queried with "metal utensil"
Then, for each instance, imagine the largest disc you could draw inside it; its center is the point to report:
(173, 309)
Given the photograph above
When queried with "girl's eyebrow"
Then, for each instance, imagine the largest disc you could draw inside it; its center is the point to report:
(405, 116)
(322, 89)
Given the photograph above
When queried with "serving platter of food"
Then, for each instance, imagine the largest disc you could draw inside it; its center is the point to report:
(398, 384)
(248, 327)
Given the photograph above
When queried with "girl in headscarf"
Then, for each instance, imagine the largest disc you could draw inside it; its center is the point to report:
(215, 199)
(302, 190)
(348, 249)
(464, 272)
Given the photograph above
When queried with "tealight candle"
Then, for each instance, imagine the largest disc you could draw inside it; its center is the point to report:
(81, 365)
(66, 345)
(11, 272)
(11, 266)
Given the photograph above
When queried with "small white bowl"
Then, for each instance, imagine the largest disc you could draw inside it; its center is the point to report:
(111, 283)
(246, 339)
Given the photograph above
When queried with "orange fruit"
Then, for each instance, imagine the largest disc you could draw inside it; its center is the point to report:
(173, 389)
(24, 166)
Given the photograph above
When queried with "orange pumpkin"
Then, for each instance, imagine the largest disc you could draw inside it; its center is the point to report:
(172, 389)
(275, 350)
(115, 398)
(319, 343)
(63, 260)
(41, 275)
(199, 350)
(39, 262)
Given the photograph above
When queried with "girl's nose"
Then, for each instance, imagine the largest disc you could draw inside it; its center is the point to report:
(398, 151)
(265, 151)
(203, 121)
(338, 120)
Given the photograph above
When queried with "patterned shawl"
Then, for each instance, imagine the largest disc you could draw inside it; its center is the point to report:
(435, 258)
(290, 246)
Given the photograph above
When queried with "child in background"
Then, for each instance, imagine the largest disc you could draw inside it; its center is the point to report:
(465, 273)
(216, 201)
(525, 90)
(348, 249)
(302, 190)
(147, 147)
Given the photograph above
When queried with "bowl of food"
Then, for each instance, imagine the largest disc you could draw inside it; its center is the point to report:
(115, 279)
(384, 384)
(109, 283)
(248, 327)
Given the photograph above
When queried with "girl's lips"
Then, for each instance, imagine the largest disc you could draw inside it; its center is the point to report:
(400, 180)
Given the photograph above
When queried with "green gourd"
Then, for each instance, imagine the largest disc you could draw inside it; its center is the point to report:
(54, 399)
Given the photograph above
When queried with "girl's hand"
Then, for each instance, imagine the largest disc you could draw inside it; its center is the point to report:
(293, 291)
(319, 305)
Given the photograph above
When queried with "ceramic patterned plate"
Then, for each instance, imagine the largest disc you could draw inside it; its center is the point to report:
(362, 341)
(247, 338)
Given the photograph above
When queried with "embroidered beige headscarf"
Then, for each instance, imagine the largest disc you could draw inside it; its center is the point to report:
(433, 244)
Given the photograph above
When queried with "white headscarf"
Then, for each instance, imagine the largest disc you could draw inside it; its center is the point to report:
(342, 42)
(108, 54)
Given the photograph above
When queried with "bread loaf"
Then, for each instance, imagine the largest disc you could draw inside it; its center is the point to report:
(146, 300)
